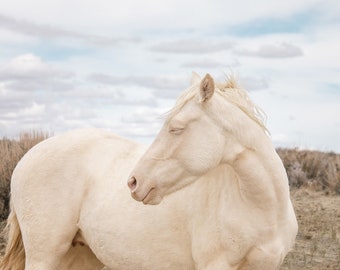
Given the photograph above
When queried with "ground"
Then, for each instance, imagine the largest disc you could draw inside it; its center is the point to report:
(318, 241)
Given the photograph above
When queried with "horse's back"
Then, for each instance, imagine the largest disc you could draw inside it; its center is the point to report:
(64, 159)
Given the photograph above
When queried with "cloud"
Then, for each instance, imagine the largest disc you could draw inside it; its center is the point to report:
(27, 80)
(282, 139)
(143, 121)
(155, 15)
(11, 104)
(39, 94)
(34, 94)
(8, 97)
(52, 115)
(29, 68)
(192, 46)
(43, 31)
(253, 84)
(143, 115)
(139, 132)
(153, 82)
(167, 87)
(110, 96)
(28, 112)
(27, 84)
(207, 63)
(295, 22)
(283, 50)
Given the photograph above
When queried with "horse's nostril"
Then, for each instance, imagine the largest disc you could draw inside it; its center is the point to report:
(132, 183)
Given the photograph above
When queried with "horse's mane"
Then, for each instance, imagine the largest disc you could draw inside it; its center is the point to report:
(233, 92)
(237, 95)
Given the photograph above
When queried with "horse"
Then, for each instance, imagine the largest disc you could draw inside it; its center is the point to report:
(214, 194)
(241, 213)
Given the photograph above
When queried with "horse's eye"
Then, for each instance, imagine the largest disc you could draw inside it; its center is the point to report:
(176, 131)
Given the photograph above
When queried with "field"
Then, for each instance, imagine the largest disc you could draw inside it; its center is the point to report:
(318, 241)
(315, 190)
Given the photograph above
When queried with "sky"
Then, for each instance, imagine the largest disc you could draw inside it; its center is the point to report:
(120, 65)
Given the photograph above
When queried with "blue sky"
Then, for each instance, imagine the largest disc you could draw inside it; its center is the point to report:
(119, 65)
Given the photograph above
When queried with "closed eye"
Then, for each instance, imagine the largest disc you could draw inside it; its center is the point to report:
(176, 131)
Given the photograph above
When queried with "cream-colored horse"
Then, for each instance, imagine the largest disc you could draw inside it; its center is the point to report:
(71, 209)
(238, 211)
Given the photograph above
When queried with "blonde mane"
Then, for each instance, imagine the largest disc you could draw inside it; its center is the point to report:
(235, 94)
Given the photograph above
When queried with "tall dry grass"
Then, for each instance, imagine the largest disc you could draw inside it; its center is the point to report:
(312, 169)
(11, 151)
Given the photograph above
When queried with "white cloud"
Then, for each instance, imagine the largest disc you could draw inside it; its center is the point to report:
(192, 46)
(33, 29)
(283, 50)
(153, 82)
(11, 101)
(35, 109)
(168, 87)
(207, 64)
(107, 16)
(143, 115)
(252, 83)
(281, 139)
(31, 67)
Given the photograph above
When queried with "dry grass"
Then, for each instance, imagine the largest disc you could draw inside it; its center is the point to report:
(318, 240)
(11, 151)
(315, 185)
(314, 179)
(312, 169)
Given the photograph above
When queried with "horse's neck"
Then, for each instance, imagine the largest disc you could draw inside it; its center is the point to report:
(256, 183)
(261, 177)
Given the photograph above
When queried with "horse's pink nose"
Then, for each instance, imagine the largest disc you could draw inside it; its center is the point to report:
(132, 183)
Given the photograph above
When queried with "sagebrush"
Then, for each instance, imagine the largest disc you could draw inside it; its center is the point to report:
(312, 169)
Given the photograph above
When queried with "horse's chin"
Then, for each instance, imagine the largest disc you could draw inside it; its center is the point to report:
(152, 198)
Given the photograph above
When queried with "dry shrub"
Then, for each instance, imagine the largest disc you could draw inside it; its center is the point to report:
(313, 169)
(11, 151)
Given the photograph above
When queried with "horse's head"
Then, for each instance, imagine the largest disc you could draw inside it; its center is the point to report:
(200, 132)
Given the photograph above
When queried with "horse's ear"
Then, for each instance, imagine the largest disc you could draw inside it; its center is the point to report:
(195, 78)
(207, 87)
